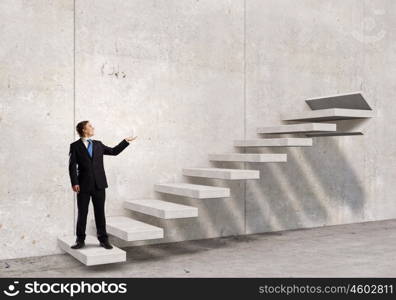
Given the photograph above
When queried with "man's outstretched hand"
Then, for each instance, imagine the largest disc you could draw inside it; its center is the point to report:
(131, 138)
(76, 188)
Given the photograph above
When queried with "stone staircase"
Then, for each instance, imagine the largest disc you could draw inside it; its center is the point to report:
(331, 109)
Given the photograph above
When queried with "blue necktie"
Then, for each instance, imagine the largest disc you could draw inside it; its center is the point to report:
(90, 147)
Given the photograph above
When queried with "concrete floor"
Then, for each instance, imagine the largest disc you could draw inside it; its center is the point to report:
(354, 250)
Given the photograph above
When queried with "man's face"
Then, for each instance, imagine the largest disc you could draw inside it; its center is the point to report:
(89, 130)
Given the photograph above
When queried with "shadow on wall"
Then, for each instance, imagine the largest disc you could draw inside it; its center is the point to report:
(309, 190)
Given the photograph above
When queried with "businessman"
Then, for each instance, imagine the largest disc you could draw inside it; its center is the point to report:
(88, 179)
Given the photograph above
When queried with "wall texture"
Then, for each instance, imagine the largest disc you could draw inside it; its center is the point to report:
(190, 77)
(36, 121)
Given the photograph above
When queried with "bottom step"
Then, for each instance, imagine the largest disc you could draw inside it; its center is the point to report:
(92, 254)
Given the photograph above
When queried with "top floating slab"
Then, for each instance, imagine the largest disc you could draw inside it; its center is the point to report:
(350, 101)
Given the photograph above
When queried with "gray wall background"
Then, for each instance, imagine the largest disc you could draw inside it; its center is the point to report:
(191, 76)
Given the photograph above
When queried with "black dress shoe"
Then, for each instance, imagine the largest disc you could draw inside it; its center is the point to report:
(106, 244)
(78, 245)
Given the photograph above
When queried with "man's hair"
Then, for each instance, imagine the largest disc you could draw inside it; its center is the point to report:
(80, 126)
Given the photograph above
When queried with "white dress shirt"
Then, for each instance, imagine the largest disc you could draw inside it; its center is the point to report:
(85, 141)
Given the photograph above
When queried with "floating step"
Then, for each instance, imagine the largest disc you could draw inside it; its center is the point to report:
(192, 190)
(329, 114)
(274, 142)
(231, 174)
(92, 253)
(161, 209)
(354, 100)
(341, 133)
(298, 128)
(129, 229)
(345, 128)
(249, 157)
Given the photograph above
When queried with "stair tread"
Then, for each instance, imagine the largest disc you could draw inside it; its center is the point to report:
(297, 128)
(328, 114)
(250, 154)
(192, 190)
(161, 208)
(338, 133)
(222, 173)
(192, 186)
(129, 224)
(249, 157)
(274, 142)
(223, 170)
(354, 100)
(92, 253)
(160, 204)
(129, 229)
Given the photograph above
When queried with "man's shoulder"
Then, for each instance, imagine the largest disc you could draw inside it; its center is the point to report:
(75, 142)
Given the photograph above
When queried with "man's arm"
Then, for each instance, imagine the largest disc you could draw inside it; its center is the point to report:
(73, 166)
(115, 150)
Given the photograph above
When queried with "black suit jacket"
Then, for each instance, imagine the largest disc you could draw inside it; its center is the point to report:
(84, 170)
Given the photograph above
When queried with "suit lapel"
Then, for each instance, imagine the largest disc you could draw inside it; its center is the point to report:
(93, 149)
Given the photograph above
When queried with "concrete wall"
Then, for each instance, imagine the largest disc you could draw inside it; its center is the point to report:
(190, 77)
(36, 125)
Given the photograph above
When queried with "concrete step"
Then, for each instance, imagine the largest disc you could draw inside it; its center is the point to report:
(249, 157)
(231, 174)
(192, 190)
(341, 133)
(129, 229)
(161, 209)
(345, 128)
(329, 114)
(274, 142)
(92, 253)
(354, 100)
(298, 128)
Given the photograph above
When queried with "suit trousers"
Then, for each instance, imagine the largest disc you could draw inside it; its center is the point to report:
(98, 200)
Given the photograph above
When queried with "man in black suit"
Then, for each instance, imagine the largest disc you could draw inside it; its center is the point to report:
(88, 179)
